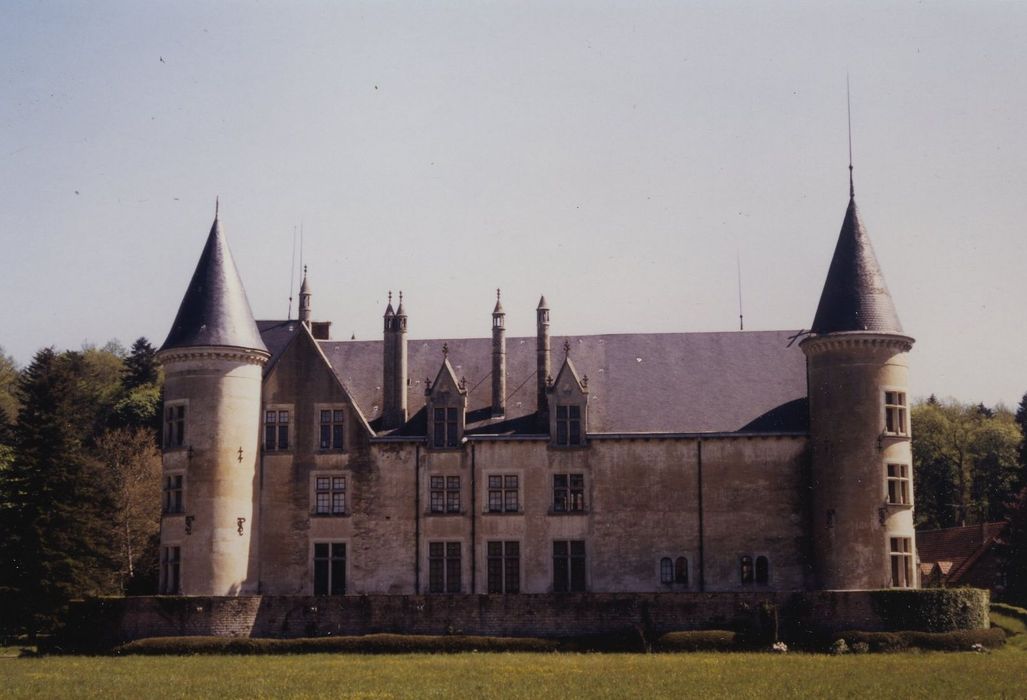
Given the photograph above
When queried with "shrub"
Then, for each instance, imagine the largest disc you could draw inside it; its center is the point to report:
(839, 647)
(959, 640)
(704, 640)
(932, 609)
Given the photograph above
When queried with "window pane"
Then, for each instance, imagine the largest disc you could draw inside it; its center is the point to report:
(435, 549)
(495, 549)
(270, 417)
(666, 570)
(283, 416)
(321, 549)
(438, 482)
(511, 482)
(578, 574)
(339, 482)
(577, 481)
(283, 436)
(338, 576)
(495, 482)
(495, 501)
(561, 432)
(561, 412)
(326, 416)
(453, 483)
(577, 548)
(511, 504)
(326, 431)
(322, 483)
(560, 548)
(338, 502)
(762, 570)
(321, 576)
(560, 574)
(575, 412)
(337, 416)
(559, 480)
(495, 575)
(681, 570)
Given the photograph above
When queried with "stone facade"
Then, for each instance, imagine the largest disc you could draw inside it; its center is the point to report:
(686, 464)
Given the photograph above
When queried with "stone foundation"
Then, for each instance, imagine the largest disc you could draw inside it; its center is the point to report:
(105, 622)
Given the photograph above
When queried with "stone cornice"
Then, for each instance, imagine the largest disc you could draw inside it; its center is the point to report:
(214, 352)
(819, 344)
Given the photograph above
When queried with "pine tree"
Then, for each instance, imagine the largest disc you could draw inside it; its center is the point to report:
(1021, 420)
(56, 502)
(141, 365)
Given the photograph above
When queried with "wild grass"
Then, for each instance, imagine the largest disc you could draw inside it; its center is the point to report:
(521, 675)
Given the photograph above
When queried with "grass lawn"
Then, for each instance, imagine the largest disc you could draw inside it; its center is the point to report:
(521, 675)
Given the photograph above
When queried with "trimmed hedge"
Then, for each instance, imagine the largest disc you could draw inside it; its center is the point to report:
(702, 640)
(369, 644)
(960, 640)
(932, 609)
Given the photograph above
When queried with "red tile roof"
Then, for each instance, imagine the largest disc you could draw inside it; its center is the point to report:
(955, 549)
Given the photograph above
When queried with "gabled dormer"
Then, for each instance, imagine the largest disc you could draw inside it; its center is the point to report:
(568, 406)
(446, 400)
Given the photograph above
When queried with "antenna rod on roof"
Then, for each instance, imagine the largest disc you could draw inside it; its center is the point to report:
(848, 109)
(741, 321)
(292, 274)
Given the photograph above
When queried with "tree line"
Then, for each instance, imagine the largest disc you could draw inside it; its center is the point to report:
(80, 474)
(80, 478)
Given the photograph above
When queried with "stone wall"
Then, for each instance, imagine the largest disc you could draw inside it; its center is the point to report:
(102, 623)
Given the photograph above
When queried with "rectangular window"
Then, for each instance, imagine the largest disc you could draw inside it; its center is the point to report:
(174, 426)
(568, 425)
(503, 494)
(902, 562)
(329, 568)
(173, 494)
(171, 562)
(330, 495)
(446, 427)
(568, 566)
(444, 494)
(895, 420)
(331, 429)
(443, 567)
(568, 493)
(276, 430)
(898, 484)
(504, 567)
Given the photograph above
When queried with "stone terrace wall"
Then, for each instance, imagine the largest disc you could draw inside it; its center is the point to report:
(102, 623)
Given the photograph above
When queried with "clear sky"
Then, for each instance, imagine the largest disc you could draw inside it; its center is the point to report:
(616, 156)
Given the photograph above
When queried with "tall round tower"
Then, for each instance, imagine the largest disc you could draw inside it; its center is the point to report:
(862, 489)
(213, 359)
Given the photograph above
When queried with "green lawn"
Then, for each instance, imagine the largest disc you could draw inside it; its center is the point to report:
(907, 675)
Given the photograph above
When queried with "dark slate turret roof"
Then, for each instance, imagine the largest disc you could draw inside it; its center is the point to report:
(855, 297)
(215, 310)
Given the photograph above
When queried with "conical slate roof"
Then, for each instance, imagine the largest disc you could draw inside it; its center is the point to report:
(215, 310)
(855, 296)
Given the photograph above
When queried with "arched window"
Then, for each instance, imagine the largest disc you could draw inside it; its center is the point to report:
(762, 570)
(681, 571)
(666, 570)
(746, 569)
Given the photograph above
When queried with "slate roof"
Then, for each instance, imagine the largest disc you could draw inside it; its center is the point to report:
(855, 296)
(955, 549)
(637, 382)
(215, 310)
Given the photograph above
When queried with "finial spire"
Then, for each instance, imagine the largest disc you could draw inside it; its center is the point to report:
(304, 271)
(401, 297)
(445, 350)
(566, 347)
(497, 293)
(390, 296)
(848, 109)
(217, 205)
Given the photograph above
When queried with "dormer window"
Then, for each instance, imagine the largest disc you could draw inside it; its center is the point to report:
(446, 432)
(568, 425)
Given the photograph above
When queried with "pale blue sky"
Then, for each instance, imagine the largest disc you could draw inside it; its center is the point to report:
(614, 155)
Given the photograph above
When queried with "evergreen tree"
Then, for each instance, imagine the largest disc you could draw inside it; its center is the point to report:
(56, 501)
(1015, 551)
(141, 366)
(1021, 420)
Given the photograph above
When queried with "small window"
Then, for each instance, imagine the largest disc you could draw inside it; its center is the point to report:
(681, 571)
(568, 425)
(666, 570)
(276, 430)
(446, 428)
(504, 493)
(504, 567)
(445, 494)
(170, 570)
(330, 495)
(895, 419)
(444, 567)
(329, 568)
(762, 571)
(568, 493)
(902, 562)
(898, 484)
(173, 494)
(174, 426)
(746, 569)
(332, 421)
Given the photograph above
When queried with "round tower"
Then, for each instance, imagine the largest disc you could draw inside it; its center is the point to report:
(862, 489)
(213, 360)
